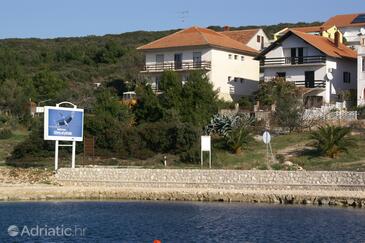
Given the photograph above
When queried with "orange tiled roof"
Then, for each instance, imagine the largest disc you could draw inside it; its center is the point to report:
(196, 36)
(308, 29)
(343, 20)
(243, 36)
(326, 45)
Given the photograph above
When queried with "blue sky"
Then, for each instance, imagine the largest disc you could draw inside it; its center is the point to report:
(57, 18)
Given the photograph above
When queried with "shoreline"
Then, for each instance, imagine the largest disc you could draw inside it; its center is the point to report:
(40, 192)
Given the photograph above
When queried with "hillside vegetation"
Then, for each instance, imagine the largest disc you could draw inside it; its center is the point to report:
(66, 68)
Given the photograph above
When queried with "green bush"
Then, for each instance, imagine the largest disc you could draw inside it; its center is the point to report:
(5, 133)
(191, 156)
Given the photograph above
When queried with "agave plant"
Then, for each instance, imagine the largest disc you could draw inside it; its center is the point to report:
(235, 130)
(332, 140)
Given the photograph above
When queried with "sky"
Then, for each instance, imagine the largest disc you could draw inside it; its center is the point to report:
(65, 18)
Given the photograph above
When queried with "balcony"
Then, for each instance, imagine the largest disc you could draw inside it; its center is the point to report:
(311, 84)
(288, 61)
(177, 66)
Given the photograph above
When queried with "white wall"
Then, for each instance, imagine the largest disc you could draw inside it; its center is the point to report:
(223, 67)
(361, 78)
(257, 45)
(351, 34)
(293, 42)
(169, 54)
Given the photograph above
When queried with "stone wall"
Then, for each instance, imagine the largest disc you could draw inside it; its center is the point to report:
(214, 179)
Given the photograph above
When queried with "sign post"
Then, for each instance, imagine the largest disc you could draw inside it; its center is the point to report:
(64, 124)
(206, 147)
(266, 137)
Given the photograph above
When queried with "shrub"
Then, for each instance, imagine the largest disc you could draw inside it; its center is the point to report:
(191, 156)
(332, 140)
(5, 133)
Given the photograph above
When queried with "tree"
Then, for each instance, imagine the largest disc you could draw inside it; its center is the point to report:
(148, 108)
(200, 101)
(332, 140)
(48, 85)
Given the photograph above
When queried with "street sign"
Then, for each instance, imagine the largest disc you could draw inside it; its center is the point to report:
(63, 124)
(206, 146)
(266, 137)
(206, 143)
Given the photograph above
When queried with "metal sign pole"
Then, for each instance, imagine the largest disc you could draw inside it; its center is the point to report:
(56, 156)
(73, 165)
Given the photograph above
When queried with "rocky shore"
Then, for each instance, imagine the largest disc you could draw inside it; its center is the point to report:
(51, 192)
(40, 185)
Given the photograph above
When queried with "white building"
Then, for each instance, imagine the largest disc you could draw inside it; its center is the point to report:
(323, 67)
(229, 64)
(361, 74)
(352, 26)
(254, 38)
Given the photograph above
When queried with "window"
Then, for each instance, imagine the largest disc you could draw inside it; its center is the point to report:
(363, 64)
(346, 77)
(229, 56)
(258, 38)
(160, 58)
(241, 79)
(242, 58)
(236, 79)
(235, 57)
(197, 59)
(281, 74)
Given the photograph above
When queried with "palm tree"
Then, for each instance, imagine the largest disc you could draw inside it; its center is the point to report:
(238, 137)
(332, 140)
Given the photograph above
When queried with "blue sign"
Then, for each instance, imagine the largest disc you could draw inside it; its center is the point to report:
(63, 124)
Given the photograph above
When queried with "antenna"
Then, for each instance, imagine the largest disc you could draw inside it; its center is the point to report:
(183, 15)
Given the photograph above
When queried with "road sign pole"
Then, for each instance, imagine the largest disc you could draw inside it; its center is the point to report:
(56, 156)
(73, 154)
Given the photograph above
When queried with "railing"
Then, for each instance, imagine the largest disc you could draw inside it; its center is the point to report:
(176, 66)
(309, 84)
(293, 60)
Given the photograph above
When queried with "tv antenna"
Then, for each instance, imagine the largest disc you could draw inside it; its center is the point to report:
(183, 15)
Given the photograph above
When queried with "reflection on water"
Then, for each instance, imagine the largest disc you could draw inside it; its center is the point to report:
(177, 222)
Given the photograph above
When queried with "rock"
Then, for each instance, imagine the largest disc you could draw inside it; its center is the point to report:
(288, 163)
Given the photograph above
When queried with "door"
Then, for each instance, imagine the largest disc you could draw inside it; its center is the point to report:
(300, 55)
(197, 59)
(178, 61)
(293, 55)
(309, 79)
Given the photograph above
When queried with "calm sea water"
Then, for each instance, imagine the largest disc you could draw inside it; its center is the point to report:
(177, 222)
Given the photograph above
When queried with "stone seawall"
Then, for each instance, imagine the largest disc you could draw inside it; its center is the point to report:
(212, 179)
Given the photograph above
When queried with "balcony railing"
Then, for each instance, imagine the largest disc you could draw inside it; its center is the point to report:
(311, 84)
(177, 66)
(293, 60)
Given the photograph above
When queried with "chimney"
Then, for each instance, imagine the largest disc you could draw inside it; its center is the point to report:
(337, 39)
(226, 28)
(321, 30)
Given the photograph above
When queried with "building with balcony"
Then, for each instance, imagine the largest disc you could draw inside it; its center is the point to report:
(229, 64)
(321, 66)
(361, 73)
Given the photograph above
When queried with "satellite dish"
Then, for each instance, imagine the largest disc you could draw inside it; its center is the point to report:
(362, 31)
(330, 76)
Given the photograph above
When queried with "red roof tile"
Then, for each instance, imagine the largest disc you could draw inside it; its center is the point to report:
(243, 36)
(344, 20)
(196, 36)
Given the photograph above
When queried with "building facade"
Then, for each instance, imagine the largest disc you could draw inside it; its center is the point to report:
(322, 67)
(361, 73)
(230, 65)
(254, 38)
